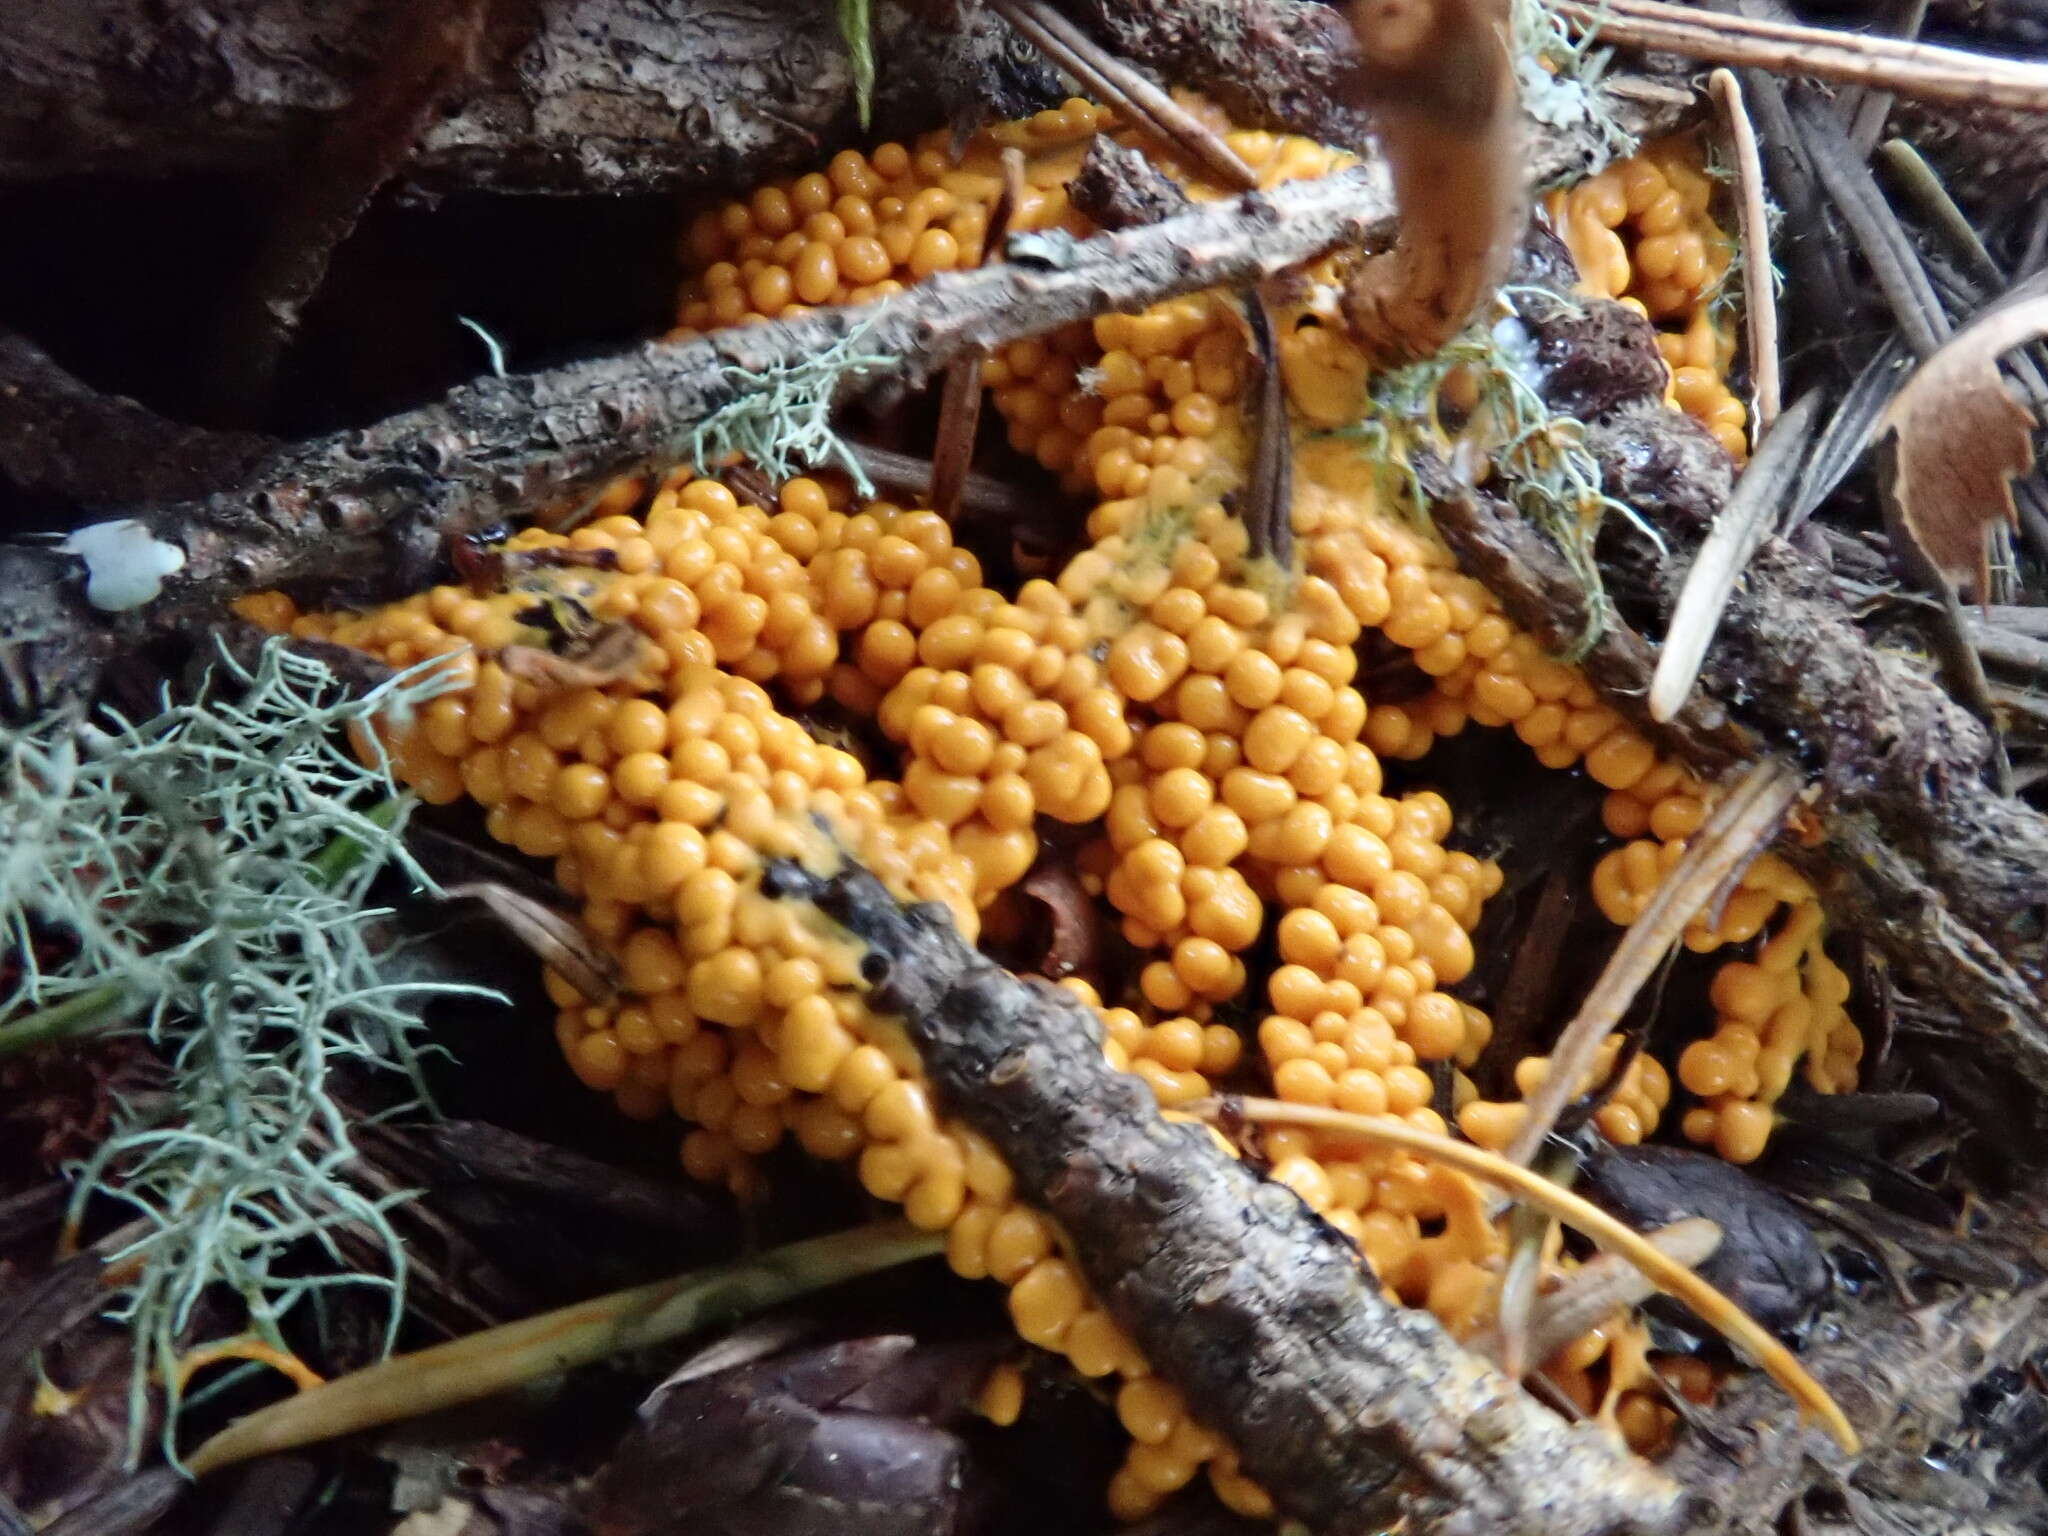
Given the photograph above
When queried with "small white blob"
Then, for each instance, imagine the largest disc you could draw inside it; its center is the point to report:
(125, 564)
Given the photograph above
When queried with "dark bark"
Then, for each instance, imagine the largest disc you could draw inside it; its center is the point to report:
(1352, 1411)
(63, 441)
(1937, 1391)
(1949, 878)
(572, 96)
(1274, 63)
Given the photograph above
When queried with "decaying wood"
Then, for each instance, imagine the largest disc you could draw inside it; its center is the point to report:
(62, 440)
(381, 500)
(1946, 876)
(574, 95)
(1350, 1410)
(1916, 1378)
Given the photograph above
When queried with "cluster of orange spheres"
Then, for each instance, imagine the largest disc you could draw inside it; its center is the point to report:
(629, 701)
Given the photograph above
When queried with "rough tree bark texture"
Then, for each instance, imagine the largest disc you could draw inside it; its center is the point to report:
(1940, 1387)
(1949, 877)
(573, 95)
(1352, 1412)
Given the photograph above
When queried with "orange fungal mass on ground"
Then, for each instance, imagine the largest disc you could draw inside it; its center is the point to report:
(631, 702)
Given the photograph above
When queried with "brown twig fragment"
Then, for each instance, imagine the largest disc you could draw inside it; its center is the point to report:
(1439, 76)
(1670, 1276)
(1598, 1289)
(1759, 293)
(1739, 529)
(1268, 496)
(1116, 83)
(1352, 1412)
(1747, 817)
(1923, 71)
(960, 393)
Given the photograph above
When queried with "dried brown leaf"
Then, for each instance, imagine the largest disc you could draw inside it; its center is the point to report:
(1955, 438)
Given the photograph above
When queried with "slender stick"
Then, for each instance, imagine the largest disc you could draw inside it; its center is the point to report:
(467, 1369)
(1670, 1276)
(1114, 81)
(1923, 71)
(1599, 1288)
(1759, 293)
(960, 394)
(1739, 529)
(1749, 815)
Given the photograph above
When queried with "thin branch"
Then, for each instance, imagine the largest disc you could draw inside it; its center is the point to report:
(1741, 526)
(1753, 225)
(1670, 1276)
(1923, 71)
(1110, 79)
(960, 395)
(1268, 507)
(1747, 817)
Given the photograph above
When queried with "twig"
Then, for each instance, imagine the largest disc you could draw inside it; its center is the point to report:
(1748, 816)
(1742, 524)
(1268, 511)
(1116, 82)
(1352, 1412)
(960, 395)
(467, 1369)
(1922, 71)
(429, 57)
(1670, 1276)
(978, 493)
(1866, 109)
(1759, 291)
(1599, 1288)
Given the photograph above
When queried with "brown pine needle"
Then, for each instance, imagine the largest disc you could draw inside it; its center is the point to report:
(1759, 295)
(1669, 1276)
(1923, 71)
(467, 1369)
(960, 394)
(1748, 816)
(553, 938)
(1115, 83)
(1596, 1289)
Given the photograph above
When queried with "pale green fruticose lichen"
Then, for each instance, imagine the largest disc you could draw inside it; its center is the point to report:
(204, 874)
(1537, 457)
(780, 418)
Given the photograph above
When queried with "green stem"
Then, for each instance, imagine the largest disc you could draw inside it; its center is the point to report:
(466, 1369)
(77, 1015)
(344, 852)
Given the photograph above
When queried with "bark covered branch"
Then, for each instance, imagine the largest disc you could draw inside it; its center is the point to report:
(1946, 876)
(572, 95)
(381, 500)
(1351, 1411)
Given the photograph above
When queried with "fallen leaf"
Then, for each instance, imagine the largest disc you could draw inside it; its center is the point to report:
(1955, 438)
